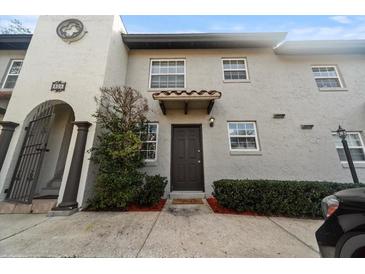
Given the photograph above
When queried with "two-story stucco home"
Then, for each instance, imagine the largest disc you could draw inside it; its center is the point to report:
(248, 105)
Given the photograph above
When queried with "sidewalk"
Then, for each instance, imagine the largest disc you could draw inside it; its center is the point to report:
(177, 231)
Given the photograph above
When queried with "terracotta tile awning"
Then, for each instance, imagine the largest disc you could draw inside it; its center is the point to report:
(186, 99)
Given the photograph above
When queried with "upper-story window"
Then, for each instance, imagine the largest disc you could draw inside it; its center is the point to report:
(234, 69)
(12, 74)
(327, 77)
(355, 144)
(167, 73)
(243, 136)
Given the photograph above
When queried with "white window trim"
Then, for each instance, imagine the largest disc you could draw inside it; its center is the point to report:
(157, 130)
(167, 59)
(329, 77)
(235, 80)
(8, 72)
(362, 145)
(256, 137)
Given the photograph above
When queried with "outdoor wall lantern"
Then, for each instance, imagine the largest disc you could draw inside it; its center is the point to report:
(341, 132)
(211, 121)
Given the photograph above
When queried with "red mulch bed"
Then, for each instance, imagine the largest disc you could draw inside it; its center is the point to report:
(157, 207)
(217, 208)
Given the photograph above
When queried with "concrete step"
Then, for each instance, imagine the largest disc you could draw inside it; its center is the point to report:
(6, 208)
(43, 205)
(22, 208)
(37, 206)
(187, 195)
(187, 210)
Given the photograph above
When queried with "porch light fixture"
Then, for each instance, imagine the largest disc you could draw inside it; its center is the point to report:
(341, 132)
(211, 121)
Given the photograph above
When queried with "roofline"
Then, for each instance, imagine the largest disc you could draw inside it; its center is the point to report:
(203, 40)
(205, 34)
(273, 40)
(306, 47)
(15, 41)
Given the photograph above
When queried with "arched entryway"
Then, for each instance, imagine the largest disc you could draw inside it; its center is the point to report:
(41, 162)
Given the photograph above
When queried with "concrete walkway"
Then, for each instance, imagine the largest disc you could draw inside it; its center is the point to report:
(177, 231)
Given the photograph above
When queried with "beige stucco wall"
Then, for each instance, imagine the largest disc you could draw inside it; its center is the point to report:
(82, 64)
(114, 75)
(278, 84)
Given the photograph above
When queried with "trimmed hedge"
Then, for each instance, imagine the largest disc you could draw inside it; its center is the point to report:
(152, 190)
(271, 197)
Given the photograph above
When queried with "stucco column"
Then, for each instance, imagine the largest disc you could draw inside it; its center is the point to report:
(69, 199)
(5, 138)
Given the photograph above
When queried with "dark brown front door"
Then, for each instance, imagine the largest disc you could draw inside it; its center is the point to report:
(186, 158)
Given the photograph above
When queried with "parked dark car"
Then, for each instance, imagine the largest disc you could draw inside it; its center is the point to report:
(343, 231)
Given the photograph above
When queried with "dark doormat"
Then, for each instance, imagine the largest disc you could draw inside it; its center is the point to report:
(187, 202)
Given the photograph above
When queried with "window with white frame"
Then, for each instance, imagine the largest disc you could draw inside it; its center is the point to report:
(327, 77)
(234, 69)
(167, 73)
(355, 144)
(12, 74)
(243, 136)
(149, 136)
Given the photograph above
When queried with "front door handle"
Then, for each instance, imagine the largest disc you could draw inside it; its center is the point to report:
(198, 161)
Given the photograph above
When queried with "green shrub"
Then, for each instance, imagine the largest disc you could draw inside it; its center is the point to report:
(270, 197)
(119, 178)
(152, 190)
(120, 116)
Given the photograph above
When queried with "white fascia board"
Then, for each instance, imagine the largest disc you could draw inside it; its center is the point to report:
(321, 47)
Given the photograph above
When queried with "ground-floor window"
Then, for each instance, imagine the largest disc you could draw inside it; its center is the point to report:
(356, 146)
(243, 136)
(149, 138)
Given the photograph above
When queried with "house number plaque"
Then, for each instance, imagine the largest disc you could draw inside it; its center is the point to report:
(58, 86)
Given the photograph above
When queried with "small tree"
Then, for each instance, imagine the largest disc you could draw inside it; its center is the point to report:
(121, 116)
(15, 27)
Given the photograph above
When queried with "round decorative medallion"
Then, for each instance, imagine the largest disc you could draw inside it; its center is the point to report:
(71, 30)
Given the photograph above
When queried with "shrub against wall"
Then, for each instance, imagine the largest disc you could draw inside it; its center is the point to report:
(270, 197)
(121, 113)
(152, 190)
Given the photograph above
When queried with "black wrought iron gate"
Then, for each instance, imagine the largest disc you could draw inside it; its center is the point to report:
(29, 163)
